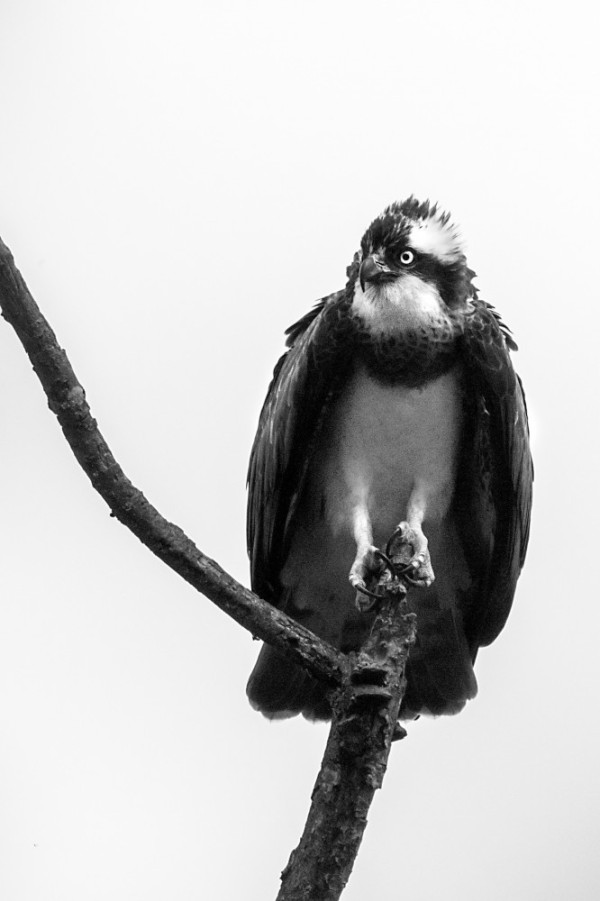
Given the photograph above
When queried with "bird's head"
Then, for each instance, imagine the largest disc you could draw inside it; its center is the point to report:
(410, 270)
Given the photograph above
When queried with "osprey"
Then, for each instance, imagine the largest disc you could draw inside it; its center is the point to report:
(396, 407)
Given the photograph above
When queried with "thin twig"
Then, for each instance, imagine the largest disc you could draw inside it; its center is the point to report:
(66, 398)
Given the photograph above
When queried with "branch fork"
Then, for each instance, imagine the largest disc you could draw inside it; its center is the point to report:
(364, 725)
(367, 688)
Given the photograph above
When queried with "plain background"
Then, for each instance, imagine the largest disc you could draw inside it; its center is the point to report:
(179, 182)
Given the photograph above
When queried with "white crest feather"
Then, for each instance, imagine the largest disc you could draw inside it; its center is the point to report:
(437, 236)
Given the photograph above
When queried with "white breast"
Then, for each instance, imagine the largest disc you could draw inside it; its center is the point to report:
(382, 442)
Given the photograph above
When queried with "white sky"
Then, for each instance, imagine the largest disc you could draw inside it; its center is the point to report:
(179, 182)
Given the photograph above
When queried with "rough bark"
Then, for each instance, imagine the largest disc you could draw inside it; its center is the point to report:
(368, 686)
(66, 398)
(365, 723)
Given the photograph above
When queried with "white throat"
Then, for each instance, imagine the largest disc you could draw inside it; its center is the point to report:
(395, 307)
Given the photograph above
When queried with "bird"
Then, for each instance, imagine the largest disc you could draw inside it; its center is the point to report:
(395, 410)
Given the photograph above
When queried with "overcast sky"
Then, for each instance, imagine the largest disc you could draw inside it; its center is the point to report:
(178, 183)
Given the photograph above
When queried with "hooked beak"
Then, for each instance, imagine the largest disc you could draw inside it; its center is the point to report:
(374, 270)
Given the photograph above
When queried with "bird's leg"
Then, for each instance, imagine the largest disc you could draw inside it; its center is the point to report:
(369, 562)
(417, 569)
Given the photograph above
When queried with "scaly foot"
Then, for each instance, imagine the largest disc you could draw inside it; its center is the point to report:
(364, 575)
(408, 551)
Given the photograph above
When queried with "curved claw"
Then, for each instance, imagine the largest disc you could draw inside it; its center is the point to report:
(410, 542)
(388, 563)
(370, 568)
(412, 565)
(410, 581)
(359, 585)
(364, 590)
(399, 530)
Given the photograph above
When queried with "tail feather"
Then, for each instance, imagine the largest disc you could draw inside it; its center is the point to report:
(281, 689)
(440, 668)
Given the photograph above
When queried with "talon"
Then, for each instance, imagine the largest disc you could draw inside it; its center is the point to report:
(408, 542)
(418, 583)
(413, 565)
(367, 568)
(386, 560)
(397, 533)
(364, 590)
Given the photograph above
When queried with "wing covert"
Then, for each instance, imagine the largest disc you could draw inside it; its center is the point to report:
(496, 475)
(305, 378)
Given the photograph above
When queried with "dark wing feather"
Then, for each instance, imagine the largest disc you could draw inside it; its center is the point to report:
(496, 474)
(304, 380)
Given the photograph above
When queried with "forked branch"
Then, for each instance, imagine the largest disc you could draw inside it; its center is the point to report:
(368, 686)
(365, 722)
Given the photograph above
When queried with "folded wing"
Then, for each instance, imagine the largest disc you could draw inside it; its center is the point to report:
(493, 496)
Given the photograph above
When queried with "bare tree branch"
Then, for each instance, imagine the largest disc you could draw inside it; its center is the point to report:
(369, 686)
(365, 723)
(66, 398)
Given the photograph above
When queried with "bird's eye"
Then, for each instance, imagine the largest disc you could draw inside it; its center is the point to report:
(407, 257)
